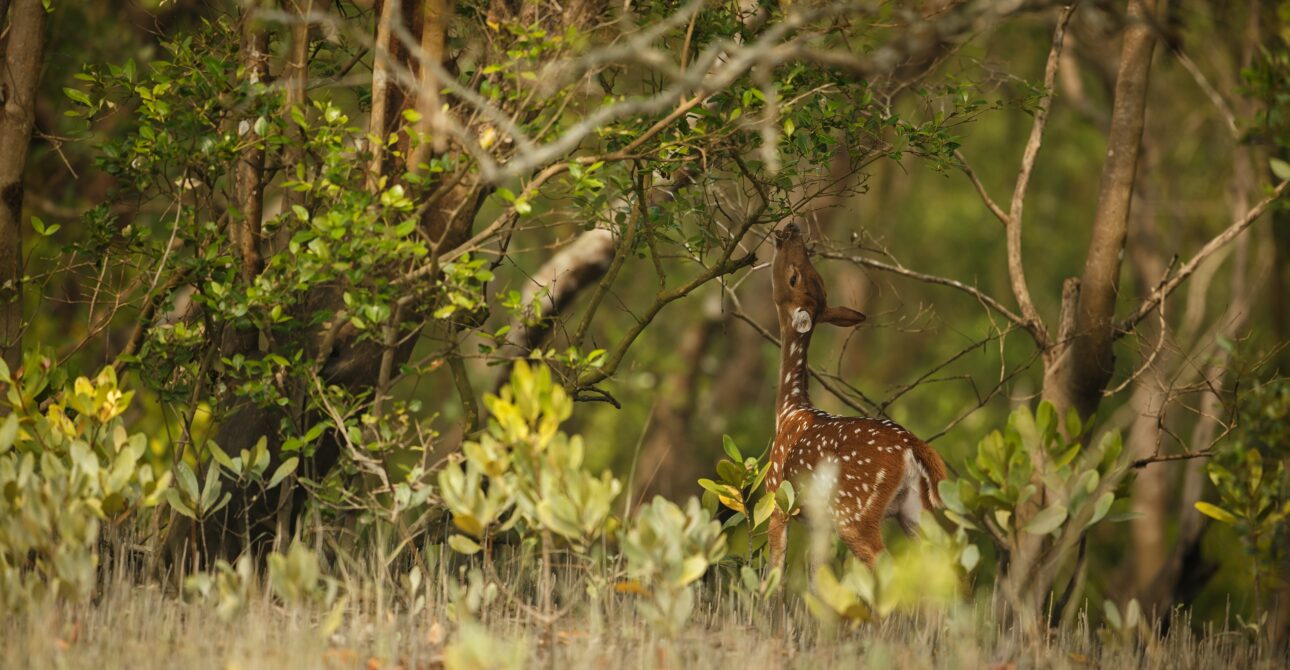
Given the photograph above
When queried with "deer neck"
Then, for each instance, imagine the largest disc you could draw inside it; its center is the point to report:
(793, 382)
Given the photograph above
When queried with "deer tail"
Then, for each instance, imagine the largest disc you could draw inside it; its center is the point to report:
(932, 470)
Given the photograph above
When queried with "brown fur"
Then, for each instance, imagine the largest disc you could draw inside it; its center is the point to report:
(879, 463)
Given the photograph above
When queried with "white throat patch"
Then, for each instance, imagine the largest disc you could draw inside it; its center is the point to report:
(801, 320)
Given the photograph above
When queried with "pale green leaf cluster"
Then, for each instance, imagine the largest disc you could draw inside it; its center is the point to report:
(1011, 465)
(667, 548)
(65, 469)
(524, 473)
(296, 577)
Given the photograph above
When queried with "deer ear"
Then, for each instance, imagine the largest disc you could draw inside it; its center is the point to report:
(841, 316)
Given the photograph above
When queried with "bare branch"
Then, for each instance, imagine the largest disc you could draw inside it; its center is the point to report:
(931, 279)
(1162, 292)
(1144, 462)
(994, 208)
(1016, 269)
(1220, 103)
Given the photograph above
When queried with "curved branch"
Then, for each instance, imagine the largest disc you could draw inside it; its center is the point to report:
(1016, 269)
(931, 279)
(1232, 232)
(994, 207)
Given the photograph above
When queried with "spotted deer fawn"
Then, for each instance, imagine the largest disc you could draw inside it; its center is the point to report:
(882, 469)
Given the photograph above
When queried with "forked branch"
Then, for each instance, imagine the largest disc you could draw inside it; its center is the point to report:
(1016, 268)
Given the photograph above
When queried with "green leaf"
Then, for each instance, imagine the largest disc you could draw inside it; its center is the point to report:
(172, 497)
(786, 497)
(1101, 507)
(223, 459)
(463, 545)
(730, 473)
(288, 466)
(1112, 615)
(8, 432)
(1280, 168)
(762, 510)
(693, 568)
(1047, 520)
(210, 491)
(949, 492)
(728, 443)
(1073, 425)
(1217, 513)
(187, 481)
(78, 96)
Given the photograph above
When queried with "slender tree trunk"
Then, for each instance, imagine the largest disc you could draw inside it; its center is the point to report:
(669, 464)
(378, 123)
(295, 77)
(434, 35)
(1076, 372)
(20, 65)
(1150, 488)
(250, 165)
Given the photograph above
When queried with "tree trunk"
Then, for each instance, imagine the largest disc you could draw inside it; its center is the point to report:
(295, 76)
(669, 463)
(1076, 372)
(20, 67)
(250, 165)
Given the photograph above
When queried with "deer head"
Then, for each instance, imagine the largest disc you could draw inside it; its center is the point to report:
(798, 290)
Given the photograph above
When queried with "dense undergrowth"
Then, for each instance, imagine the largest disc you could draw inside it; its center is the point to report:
(524, 557)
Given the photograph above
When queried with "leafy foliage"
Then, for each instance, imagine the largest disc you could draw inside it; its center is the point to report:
(65, 470)
(668, 547)
(929, 572)
(1249, 475)
(525, 473)
(996, 496)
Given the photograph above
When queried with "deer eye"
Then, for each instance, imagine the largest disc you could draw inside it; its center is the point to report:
(792, 279)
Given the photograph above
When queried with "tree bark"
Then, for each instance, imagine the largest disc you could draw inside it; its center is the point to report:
(1076, 372)
(20, 67)
(250, 165)
(295, 76)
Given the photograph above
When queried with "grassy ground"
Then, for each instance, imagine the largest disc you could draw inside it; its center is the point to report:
(392, 624)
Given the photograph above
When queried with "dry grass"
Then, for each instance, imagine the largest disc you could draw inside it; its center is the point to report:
(381, 625)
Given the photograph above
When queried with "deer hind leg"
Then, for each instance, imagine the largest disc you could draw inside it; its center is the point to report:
(778, 538)
(863, 537)
(859, 523)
